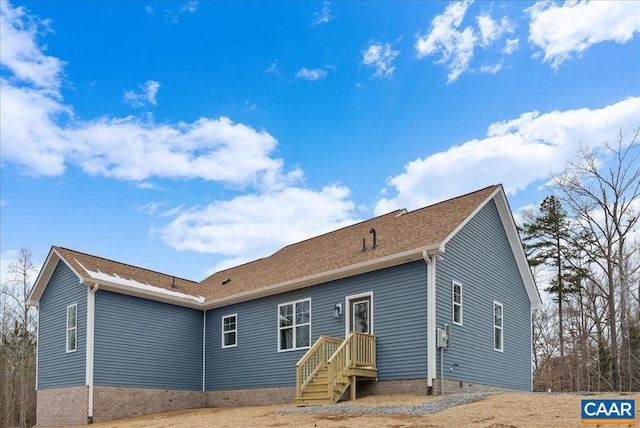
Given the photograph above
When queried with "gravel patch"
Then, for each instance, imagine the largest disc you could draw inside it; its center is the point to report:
(426, 408)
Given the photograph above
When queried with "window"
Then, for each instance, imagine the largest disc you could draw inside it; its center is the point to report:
(72, 327)
(294, 325)
(229, 331)
(457, 302)
(497, 326)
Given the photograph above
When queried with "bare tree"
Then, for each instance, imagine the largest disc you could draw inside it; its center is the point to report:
(602, 190)
(18, 346)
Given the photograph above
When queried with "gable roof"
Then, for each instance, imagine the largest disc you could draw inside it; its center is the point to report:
(401, 236)
(119, 277)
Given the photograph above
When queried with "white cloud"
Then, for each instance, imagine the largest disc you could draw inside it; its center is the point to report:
(6, 259)
(212, 149)
(323, 16)
(492, 30)
(380, 56)
(515, 153)
(147, 94)
(186, 7)
(190, 7)
(312, 75)
(274, 68)
(29, 133)
(510, 46)
(149, 9)
(255, 225)
(20, 52)
(456, 46)
(40, 133)
(491, 68)
(563, 31)
(151, 207)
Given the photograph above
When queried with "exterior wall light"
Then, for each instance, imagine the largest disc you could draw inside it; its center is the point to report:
(337, 310)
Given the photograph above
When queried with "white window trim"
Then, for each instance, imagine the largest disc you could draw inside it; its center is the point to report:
(294, 348)
(235, 316)
(501, 327)
(454, 304)
(347, 319)
(74, 328)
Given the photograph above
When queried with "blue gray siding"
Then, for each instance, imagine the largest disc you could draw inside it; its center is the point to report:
(479, 257)
(399, 322)
(56, 367)
(146, 344)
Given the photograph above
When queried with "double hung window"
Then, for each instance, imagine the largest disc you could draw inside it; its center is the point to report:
(72, 327)
(497, 326)
(294, 325)
(457, 302)
(229, 331)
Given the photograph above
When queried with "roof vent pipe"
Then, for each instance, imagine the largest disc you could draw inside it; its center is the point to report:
(372, 230)
(364, 246)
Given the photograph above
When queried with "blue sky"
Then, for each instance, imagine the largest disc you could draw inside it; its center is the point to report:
(186, 137)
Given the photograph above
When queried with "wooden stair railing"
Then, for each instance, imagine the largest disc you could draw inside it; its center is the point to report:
(331, 365)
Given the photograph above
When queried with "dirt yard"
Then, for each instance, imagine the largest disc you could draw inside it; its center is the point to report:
(498, 411)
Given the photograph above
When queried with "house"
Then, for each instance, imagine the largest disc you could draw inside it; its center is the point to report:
(433, 300)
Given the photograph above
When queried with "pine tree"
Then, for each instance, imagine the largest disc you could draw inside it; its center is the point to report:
(547, 240)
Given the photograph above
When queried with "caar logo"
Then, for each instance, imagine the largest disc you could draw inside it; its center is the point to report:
(608, 411)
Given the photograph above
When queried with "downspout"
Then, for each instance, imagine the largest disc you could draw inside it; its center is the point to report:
(37, 341)
(431, 319)
(91, 309)
(204, 348)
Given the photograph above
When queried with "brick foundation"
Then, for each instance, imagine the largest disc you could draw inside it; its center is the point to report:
(68, 406)
(387, 387)
(117, 402)
(62, 406)
(251, 397)
(458, 387)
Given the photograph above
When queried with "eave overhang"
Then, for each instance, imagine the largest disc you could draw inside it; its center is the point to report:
(332, 275)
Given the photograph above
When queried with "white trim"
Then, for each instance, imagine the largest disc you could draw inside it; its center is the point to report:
(204, 349)
(493, 321)
(431, 317)
(37, 344)
(235, 330)
(91, 308)
(67, 329)
(347, 318)
(294, 325)
(455, 283)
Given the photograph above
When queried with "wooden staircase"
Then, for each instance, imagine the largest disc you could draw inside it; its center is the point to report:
(332, 365)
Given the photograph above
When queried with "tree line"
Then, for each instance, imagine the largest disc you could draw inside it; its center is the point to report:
(18, 326)
(582, 243)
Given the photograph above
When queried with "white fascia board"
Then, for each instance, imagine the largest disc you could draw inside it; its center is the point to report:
(145, 294)
(332, 275)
